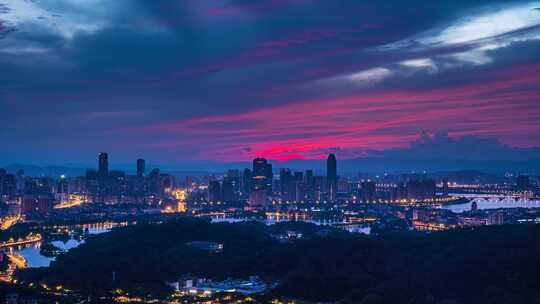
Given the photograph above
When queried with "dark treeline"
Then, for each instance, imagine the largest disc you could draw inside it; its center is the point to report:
(482, 265)
(15, 232)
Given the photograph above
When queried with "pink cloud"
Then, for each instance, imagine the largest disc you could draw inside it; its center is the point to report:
(305, 129)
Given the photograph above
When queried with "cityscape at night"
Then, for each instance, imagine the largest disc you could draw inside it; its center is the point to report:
(269, 151)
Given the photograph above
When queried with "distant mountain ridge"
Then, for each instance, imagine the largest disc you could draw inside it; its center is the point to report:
(345, 166)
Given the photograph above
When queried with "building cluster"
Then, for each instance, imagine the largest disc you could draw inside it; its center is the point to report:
(26, 194)
(441, 219)
(115, 186)
(194, 285)
(39, 196)
(261, 187)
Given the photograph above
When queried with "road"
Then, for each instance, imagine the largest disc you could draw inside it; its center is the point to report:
(15, 261)
(9, 221)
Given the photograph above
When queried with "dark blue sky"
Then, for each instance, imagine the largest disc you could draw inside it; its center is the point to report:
(179, 82)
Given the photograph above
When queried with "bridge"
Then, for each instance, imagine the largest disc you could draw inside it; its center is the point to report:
(30, 239)
(497, 197)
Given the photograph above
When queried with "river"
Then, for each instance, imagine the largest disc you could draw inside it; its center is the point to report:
(34, 258)
(350, 227)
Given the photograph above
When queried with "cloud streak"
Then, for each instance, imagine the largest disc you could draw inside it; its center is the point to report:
(362, 123)
(230, 80)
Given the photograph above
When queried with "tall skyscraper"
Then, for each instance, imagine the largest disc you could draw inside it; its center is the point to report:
(214, 191)
(368, 191)
(260, 166)
(445, 186)
(310, 185)
(141, 165)
(247, 183)
(421, 189)
(234, 176)
(155, 182)
(269, 179)
(262, 175)
(227, 189)
(286, 184)
(331, 177)
(331, 167)
(103, 164)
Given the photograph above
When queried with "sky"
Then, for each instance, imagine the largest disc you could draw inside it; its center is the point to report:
(200, 81)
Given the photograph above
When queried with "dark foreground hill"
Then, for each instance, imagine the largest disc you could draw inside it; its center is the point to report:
(483, 265)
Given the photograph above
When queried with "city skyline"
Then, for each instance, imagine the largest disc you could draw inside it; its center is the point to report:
(525, 163)
(225, 83)
(269, 151)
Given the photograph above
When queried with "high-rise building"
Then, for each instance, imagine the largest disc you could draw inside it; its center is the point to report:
(399, 192)
(331, 167)
(318, 188)
(103, 164)
(233, 175)
(445, 186)
(368, 191)
(37, 204)
(421, 189)
(300, 191)
(309, 181)
(227, 189)
(262, 175)
(155, 182)
(8, 184)
(20, 181)
(495, 218)
(214, 191)
(259, 167)
(258, 199)
(285, 184)
(269, 179)
(39, 186)
(141, 167)
(246, 182)
(331, 177)
(292, 187)
(62, 187)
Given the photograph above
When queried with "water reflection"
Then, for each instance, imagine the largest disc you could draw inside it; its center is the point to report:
(359, 229)
(71, 243)
(350, 227)
(33, 256)
(35, 259)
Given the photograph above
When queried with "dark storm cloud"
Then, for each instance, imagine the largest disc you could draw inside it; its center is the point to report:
(442, 146)
(86, 72)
